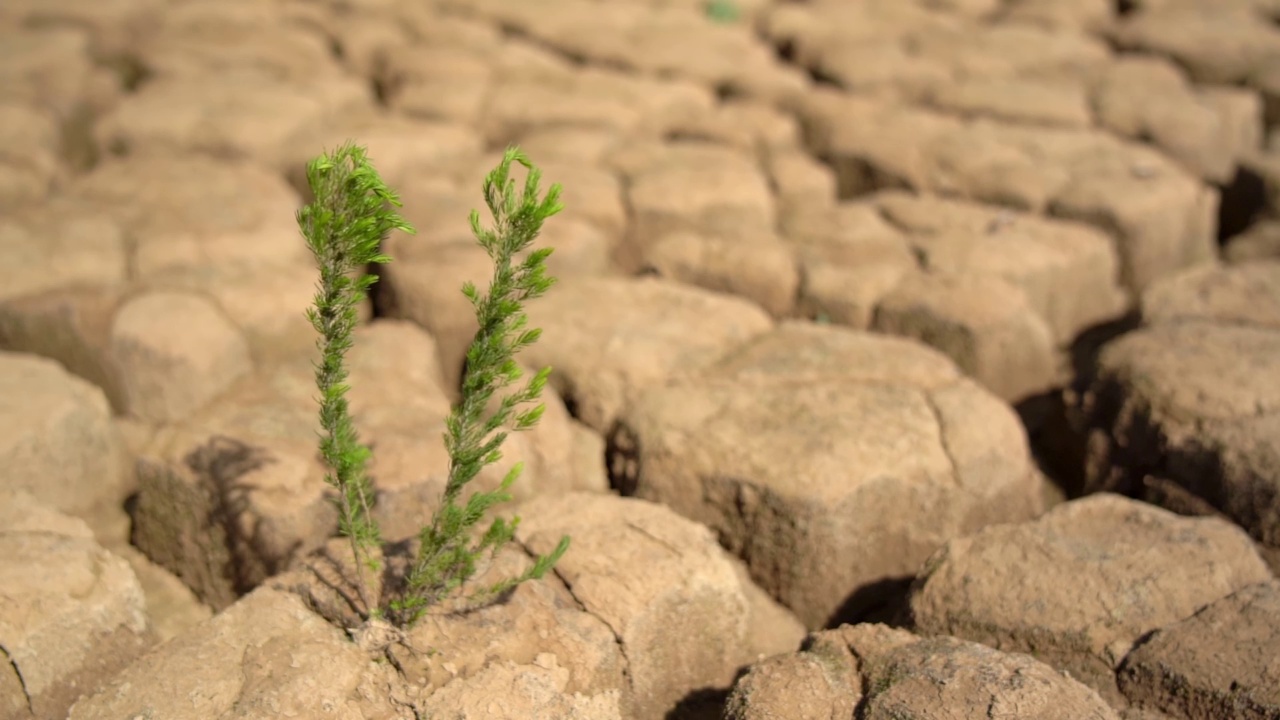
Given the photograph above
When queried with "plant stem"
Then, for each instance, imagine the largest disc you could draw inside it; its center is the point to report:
(344, 228)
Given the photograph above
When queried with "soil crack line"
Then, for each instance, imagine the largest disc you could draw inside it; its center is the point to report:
(942, 436)
(17, 671)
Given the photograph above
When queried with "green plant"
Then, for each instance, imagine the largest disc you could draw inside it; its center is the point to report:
(344, 227)
(723, 11)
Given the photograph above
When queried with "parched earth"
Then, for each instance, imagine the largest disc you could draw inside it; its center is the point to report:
(913, 358)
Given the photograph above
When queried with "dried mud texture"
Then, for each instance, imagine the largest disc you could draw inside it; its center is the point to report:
(800, 447)
(1187, 405)
(66, 631)
(268, 654)
(997, 183)
(1082, 585)
(1224, 661)
(57, 441)
(644, 613)
(874, 671)
(605, 349)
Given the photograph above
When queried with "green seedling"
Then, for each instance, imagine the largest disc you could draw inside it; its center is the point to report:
(723, 11)
(344, 227)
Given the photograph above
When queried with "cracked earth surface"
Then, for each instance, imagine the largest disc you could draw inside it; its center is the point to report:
(911, 357)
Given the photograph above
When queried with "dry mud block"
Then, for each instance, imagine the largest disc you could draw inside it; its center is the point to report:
(850, 257)
(670, 613)
(1207, 130)
(239, 81)
(1260, 242)
(1002, 293)
(54, 66)
(54, 88)
(229, 496)
(537, 653)
(1079, 587)
(71, 613)
(265, 656)
(236, 114)
(663, 41)
(880, 673)
(1067, 271)
(831, 461)
(985, 325)
(1041, 73)
(1196, 36)
(171, 606)
(222, 228)
(57, 440)
(681, 613)
(63, 274)
(1186, 411)
(911, 49)
(30, 164)
(762, 270)
(175, 352)
(190, 217)
(46, 247)
(644, 611)
(192, 40)
(609, 339)
(694, 187)
(1161, 218)
(115, 25)
(1224, 661)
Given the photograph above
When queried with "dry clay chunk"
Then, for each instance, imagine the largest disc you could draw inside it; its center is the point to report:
(887, 673)
(702, 189)
(984, 324)
(266, 656)
(1079, 586)
(63, 270)
(191, 41)
(762, 269)
(64, 631)
(1224, 661)
(663, 41)
(1260, 242)
(30, 166)
(175, 352)
(516, 692)
(554, 654)
(1248, 294)
(664, 587)
(53, 65)
(196, 215)
(587, 99)
(850, 258)
(56, 437)
(1207, 131)
(228, 113)
(1216, 45)
(828, 460)
(645, 607)
(1162, 218)
(1068, 271)
(607, 339)
(1193, 398)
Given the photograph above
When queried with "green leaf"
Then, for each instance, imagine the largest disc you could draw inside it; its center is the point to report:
(446, 559)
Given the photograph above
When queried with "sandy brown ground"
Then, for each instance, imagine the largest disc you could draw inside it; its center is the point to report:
(913, 358)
